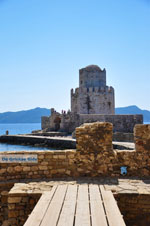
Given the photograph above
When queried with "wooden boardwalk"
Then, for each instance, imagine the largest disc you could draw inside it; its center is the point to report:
(76, 205)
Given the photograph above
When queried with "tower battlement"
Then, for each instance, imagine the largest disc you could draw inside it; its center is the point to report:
(92, 76)
(107, 89)
(92, 101)
(75, 92)
(93, 95)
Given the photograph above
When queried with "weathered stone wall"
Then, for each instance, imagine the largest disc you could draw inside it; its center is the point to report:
(135, 208)
(142, 139)
(123, 137)
(98, 100)
(93, 96)
(74, 100)
(50, 164)
(69, 121)
(109, 162)
(4, 189)
(20, 206)
(94, 157)
(45, 122)
(121, 123)
(92, 101)
(92, 76)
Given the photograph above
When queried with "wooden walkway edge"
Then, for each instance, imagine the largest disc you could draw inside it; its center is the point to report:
(76, 205)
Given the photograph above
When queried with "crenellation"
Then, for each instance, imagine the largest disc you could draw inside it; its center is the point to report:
(111, 88)
(92, 101)
(93, 92)
(72, 91)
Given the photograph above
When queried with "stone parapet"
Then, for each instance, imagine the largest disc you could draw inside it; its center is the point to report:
(4, 190)
(20, 206)
(102, 134)
(94, 157)
(142, 138)
(123, 137)
(121, 123)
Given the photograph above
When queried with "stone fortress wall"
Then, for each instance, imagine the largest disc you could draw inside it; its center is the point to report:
(94, 157)
(69, 121)
(92, 96)
(99, 100)
(92, 101)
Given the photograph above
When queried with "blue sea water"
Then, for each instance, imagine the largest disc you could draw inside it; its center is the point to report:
(22, 128)
(17, 128)
(13, 147)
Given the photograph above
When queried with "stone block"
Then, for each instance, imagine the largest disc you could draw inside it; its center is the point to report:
(14, 199)
(13, 214)
(11, 206)
(18, 168)
(43, 167)
(34, 168)
(142, 138)
(62, 156)
(26, 168)
(44, 163)
(2, 171)
(10, 169)
(94, 137)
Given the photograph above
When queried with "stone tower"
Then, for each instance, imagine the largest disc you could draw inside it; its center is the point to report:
(93, 95)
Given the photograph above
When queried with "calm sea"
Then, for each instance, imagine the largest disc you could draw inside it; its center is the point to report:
(19, 129)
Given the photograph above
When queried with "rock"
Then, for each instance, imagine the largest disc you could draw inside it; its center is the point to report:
(14, 199)
(18, 168)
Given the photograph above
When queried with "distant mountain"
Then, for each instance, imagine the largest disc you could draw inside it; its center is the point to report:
(28, 116)
(133, 110)
(34, 115)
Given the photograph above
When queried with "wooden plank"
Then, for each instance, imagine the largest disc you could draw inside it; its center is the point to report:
(97, 210)
(39, 210)
(68, 210)
(113, 213)
(52, 215)
(82, 217)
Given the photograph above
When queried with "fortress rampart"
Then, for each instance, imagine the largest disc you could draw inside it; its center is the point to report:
(69, 121)
(93, 95)
(92, 101)
(94, 157)
(107, 89)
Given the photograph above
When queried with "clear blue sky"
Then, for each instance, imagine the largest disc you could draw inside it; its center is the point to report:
(43, 44)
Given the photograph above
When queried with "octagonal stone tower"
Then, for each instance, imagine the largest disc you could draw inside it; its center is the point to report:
(93, 95)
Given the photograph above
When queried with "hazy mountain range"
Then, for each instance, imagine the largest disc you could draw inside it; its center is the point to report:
(133, 110)
(27, 116)
(34, 115)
